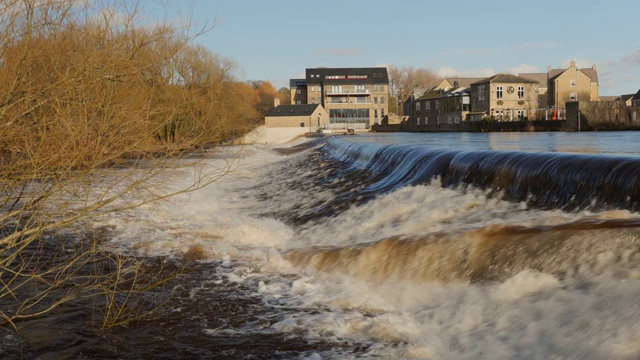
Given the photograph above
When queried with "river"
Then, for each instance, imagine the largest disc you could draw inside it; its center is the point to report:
(414, 246)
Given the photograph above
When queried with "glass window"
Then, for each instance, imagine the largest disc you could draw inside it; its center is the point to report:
(481, 93)
(572, 96)
(417, 106)
(520, 92)
(382, 100)
(572, 83)
(298, 91)
(499, 92)
(427, 105)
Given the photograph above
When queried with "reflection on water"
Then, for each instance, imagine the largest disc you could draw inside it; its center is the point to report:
(615, 142)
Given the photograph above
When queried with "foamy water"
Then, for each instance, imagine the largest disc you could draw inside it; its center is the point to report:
(405, 274)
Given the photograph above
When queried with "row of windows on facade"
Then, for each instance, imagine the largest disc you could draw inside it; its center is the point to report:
(427, 106)
(450, 119)
(338, 89)
(350, 100)
(346, 76)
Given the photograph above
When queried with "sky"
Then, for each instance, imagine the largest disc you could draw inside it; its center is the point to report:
(276, 40)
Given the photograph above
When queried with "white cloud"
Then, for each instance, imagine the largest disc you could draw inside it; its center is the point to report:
(340, 51)
(632, 59)
(522, 68)
(446, 71)
(536, 46)
(581, 63)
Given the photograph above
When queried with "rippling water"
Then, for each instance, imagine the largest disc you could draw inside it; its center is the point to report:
(443, 246)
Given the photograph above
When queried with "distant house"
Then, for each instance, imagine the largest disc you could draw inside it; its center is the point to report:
(438, 107)
(307, 117)
(541, 78)
(506, 97)
(571, 84)
(626, 99)
(635, 101)
(407, 105)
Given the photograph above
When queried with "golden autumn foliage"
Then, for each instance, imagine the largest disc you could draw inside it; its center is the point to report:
(83, 87)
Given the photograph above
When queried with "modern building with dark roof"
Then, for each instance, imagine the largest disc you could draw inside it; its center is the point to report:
(354, 96)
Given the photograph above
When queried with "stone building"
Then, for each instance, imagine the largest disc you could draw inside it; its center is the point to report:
(571, 84)
(505, 97)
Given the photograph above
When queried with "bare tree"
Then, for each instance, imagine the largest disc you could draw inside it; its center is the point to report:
(404, 80)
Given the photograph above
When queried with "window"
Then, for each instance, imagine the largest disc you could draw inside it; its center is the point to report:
(375, 99)
(426, 120)
(382, 112)
(302, 124)
(572, 96)
(520, 114)
(298, 102)
(381, 87)
(418, 120)
(417, 106)
(375, 87)
(520, 92)
(298, 91)
(427, 105)
(572, 83)
(382, 100)
(313, 100)
(481, 93)
(499, 114)
(313, 89)
(375, 113)
(437, 104)
(499, 92)
(359, 88)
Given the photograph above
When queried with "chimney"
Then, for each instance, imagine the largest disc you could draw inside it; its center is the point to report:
(549, 68)
(594, 66)
(573, 63)
(276, 102)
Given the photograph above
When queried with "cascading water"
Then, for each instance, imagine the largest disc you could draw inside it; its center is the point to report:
(443, 246)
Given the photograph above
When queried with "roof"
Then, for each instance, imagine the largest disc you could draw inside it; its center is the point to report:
(541, 78)
(439, 93)
(627, 96)
(294, 83)
(462, 81)
(506, 78)
(636, 96)
(293, 110)
(590, 72)
(373, 75)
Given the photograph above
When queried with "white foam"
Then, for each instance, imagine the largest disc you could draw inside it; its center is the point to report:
(530, 315)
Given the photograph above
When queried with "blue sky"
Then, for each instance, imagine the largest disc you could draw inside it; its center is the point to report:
(277, 40)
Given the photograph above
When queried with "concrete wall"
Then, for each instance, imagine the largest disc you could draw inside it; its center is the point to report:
(309, 121)
(602, 115)
(264, 135)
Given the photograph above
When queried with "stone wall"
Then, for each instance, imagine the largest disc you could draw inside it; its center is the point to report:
(602, 115)
(478, 126)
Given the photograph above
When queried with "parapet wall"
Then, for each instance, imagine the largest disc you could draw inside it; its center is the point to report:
(602, 115)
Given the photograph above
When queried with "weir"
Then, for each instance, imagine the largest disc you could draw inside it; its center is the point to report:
(548, 180)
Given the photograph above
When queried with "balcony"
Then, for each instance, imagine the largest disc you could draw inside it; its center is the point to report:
(348, 101)
(347, 92)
